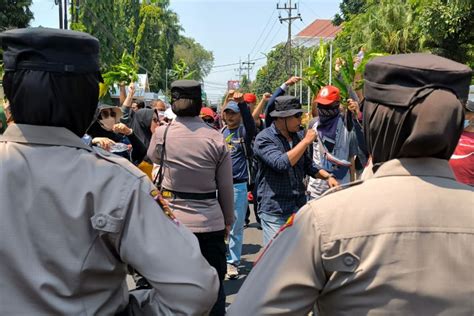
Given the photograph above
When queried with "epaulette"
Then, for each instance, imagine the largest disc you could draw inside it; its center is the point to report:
(342, 187)
(117, 160)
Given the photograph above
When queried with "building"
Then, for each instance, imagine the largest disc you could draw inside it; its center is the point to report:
(315, 32)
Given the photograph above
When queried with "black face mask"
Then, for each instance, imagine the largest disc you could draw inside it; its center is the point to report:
(52, 99)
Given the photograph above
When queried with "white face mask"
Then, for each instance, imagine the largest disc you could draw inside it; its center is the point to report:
(107, 123)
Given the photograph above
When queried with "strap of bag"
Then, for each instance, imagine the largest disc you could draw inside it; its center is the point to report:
(159, 176)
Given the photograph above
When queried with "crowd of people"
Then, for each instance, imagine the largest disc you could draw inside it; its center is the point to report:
(357, 209)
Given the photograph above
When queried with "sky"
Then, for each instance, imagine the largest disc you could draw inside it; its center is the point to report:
(231, 29)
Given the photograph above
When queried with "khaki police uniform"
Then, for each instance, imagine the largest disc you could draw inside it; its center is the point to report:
(72, 219)
(401, 243)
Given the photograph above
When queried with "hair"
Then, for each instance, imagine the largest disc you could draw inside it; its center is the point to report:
(187, 107)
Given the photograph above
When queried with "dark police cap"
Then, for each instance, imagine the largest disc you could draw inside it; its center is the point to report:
(51, 50)
(401, 80)
(185, 89)
(286, 106)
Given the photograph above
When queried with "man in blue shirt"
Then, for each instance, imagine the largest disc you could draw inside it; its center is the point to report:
(238, 137)
(283, 162)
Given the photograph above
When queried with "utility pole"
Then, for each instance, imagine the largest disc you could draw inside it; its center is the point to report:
(249, 66)
(60, 4)
(289, 8)
(65, 14)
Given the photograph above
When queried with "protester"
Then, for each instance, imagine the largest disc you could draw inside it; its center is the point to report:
(195, 164)
(73, 217)
(398, 243)
(238, 133)
(462, 161)
(283, 162)
(280, 91)
(107, 132)
(208, 116)
(217, 118)
(335, 147)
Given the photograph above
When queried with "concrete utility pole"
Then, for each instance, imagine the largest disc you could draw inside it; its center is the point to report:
(249, 66)
(289, 8)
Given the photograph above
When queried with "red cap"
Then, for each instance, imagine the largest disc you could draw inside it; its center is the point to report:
(250, 98)
(207, 112)
(328, 95)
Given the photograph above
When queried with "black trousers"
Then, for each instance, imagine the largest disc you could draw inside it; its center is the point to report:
(213, 248)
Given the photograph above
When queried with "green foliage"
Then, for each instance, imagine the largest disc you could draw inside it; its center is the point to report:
(198, 59)
(123, 73)
(384, 26)
(15, 14)
(181, 71)
(348, 9)
(447, 28)
(273, 74)
(147, 29)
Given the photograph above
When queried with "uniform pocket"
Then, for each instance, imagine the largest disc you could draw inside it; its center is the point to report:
(342, 262)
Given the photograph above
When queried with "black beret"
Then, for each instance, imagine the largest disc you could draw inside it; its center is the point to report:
(286, 106)
(399, 80)
(50, 50)
(185, 89)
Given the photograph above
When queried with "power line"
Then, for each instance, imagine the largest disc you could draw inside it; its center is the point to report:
(268, 36)
(263, 31)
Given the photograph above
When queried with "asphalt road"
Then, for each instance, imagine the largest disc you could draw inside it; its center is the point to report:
(250, 250)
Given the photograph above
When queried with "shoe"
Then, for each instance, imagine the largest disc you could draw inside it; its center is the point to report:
(232, 272)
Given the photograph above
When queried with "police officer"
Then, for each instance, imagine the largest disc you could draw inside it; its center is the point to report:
(72, 218)
(196, 176)
(401, 243)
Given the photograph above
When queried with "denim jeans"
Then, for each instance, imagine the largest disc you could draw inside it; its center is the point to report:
(271, 224)
(237, 232)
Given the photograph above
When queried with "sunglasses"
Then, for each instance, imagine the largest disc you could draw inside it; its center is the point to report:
(298, 115)
(106, 113)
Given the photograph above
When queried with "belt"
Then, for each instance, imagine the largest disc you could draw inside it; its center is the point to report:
(168, 194)
(236, 181)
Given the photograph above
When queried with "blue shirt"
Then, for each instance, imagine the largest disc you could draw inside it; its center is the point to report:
(280, 187)
(238, 141)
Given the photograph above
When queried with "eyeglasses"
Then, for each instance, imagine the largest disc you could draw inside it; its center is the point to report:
(298, 115)
(155, 119)
(106, 113)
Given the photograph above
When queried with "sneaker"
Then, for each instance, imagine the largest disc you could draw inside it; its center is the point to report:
(232, 272)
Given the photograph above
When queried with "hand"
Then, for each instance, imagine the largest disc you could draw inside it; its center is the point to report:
(292, 80)
(353, 106)
(310, 136)
(103, 142)
(238, 97)
(121, 128)
(266, 96)
(227, 232)
(332, 182)
(131, 88)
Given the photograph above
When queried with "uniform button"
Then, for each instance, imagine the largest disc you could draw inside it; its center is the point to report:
(349, 261)
(101, 222)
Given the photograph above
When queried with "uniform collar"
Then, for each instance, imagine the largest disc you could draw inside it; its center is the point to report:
(42, 135)
(427, 167)
(186, 119)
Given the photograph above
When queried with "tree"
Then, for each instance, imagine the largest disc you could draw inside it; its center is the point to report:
(148, 30)
(348, 8)
(385, 26)
(15, 14)
(447, 28)
(198, 60)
